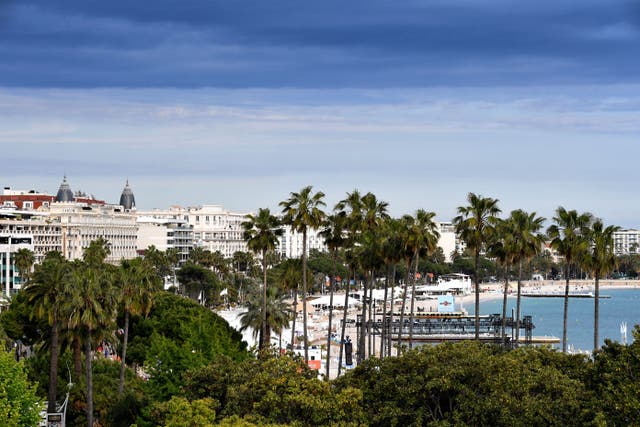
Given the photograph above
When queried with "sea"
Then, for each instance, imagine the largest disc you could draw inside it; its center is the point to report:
(623, 305)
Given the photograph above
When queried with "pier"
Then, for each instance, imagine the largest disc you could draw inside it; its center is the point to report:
(456, 327)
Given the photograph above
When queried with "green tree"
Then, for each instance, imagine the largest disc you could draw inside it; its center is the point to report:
(179, 412)
(568, 237)
(351, 209)
(19, 405)
(392, 252)
(333, 234)
(303, 211)
(91, 310)
(197, 282)
(528, 242)
(599, 260)
(261, 233)
(475, 224)
(137, 284)
(503, 249)
(24, 260)
(424, 236)
(47, 294)
(278, 314)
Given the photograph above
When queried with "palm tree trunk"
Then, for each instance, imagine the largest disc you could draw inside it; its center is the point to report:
(476, 279)
(304, 295)
(371, 312)
(413, 300)
(53, 367)
(77, 357)
(566, 310)
(295, 315)
(88, 371)
(124, 352)
(404, 301)
(344, 320)
(504, 305)
(332, 283)
(393, 284)
(383, 329)
(596, 313)
(262, 343)
(363, 322)
(518, 303)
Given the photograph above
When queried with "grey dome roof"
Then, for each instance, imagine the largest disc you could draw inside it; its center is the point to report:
(127, 199)
(64, 192)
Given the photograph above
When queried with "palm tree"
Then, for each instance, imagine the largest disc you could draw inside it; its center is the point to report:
(568, 237)
(599, 261)
(504, 251)
(527, 243)
(47, 292)
(24, 260)
(351, 209)
(91, 310)
(278, 314)
(302, 211)
(373, 214)
(261, 232)
(290, 278)
(407, 222)
(424, 235)
(475, 224)
(333, 235)
(138, 283)
(392, 254)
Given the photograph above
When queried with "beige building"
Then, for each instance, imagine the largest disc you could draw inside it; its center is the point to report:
(81, 224)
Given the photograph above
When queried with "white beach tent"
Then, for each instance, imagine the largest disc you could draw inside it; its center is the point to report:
(322, 303)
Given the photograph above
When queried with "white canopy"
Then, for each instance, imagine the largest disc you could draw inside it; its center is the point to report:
(338, 302)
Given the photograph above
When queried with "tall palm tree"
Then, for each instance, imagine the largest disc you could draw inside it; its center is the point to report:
(261, 233)
(475, 224)
(568, 237)
(527, 243)
(91, 310)
(351, 209)
(407, 223)
(373, 215)
(278, 314)
(424, 235)
(599, 260)
(392, 254)
(24, 259)
(290, 278)
(504, 251)
(303, 211)
(138, 284)
(47, 292)
(333, 234)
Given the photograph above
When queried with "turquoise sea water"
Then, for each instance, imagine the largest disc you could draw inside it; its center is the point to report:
(624, 305)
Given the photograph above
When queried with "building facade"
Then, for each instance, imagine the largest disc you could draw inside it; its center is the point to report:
(10, 279)
(164, 234)
(626, 242)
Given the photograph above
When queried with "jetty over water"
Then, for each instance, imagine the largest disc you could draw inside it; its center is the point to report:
(441, 327)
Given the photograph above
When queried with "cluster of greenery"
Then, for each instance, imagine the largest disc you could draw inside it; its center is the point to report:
(180, 364)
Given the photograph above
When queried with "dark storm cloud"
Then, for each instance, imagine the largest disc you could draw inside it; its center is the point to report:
(371, 43)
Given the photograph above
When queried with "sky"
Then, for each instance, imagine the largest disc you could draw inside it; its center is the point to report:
(239, 103)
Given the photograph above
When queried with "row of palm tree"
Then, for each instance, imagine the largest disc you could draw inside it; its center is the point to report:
(579, 238)
(373, 243)
(80, 300)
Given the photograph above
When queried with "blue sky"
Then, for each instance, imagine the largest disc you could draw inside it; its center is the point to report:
(240, 102)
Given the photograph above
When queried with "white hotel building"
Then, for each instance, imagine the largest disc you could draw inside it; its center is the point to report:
(626, 242)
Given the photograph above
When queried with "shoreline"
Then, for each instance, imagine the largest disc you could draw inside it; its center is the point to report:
(492, 291)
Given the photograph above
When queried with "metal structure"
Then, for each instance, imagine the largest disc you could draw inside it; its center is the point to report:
(454, 327)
